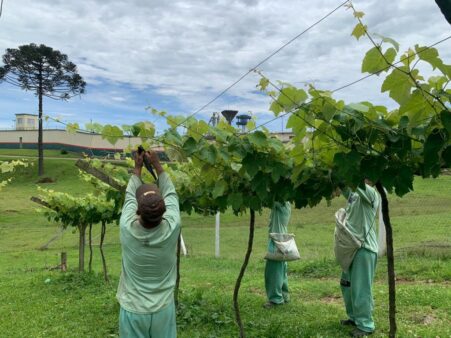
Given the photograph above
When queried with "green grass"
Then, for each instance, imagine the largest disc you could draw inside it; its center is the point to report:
(34, 153)
(40, 302)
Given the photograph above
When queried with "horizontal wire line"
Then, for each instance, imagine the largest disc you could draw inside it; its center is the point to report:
(354, 82)
(262, 62)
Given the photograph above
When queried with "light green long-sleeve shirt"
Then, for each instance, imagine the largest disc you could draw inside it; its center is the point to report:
(148, 255)
(361, 212)
(279, 218)
(278, 221)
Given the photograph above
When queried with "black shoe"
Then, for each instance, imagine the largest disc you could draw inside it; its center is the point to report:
(347, 322)
(359, 333)
(270, 305)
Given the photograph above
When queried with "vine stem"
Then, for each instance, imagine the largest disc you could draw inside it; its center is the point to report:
(240, 276)
(102, 238)
(390, 261)
(81, 247)
(90, 247)
(177, 280)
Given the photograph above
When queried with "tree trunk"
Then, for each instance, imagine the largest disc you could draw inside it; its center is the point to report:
(177, 281)
(390, 261)
(63, 261)
(240, 276)
(102, 238)
(40, 133)
(81, 248)
(90, 247)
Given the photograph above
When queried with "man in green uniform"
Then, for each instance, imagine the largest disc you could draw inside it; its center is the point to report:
(149, 230)
(356, 283)
(276, 281)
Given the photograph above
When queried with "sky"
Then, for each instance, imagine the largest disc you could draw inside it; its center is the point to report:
(178, 55)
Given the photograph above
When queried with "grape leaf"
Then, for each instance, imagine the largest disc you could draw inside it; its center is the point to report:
(235, 199)
(373, 62)
(373, 166)
(359, 107)
(174, 121)
(111, 133)
(219, 189)
(255, 203)
(432, 146)
(389, 40)
(408, 57)
(430, 55)
(446, 156)
(263, 83)
(276, 108)
(403, 181)
(415, 107)
(257, 138)
(146, 130)
(358, 15)
(208, 155)
(348, 165)
(250, 163)
(190, 145)
(359, 30)
(398, 85)
(445, 116)
(72, 128)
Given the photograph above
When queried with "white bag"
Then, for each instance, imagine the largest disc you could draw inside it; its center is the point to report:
(286, 249)
(345, 244)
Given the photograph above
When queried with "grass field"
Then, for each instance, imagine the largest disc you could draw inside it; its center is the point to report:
(37, 301)
(34, 153)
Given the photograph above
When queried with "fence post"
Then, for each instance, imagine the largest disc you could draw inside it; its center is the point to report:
(63, 261)
(217, 235)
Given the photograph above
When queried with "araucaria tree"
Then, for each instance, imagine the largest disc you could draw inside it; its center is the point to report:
(46, 72)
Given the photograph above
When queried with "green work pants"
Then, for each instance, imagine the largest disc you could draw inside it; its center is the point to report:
(160, 324)
(276, 282)
(356, 289)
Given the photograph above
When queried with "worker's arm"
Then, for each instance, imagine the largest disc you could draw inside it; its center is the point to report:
(130, 204)
(167, 189)
(366, 194)
(346, 191)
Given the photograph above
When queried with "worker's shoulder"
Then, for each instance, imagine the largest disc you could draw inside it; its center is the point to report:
(372, 190)
(282, 205)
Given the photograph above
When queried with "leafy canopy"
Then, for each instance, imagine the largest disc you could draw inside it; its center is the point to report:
(43, 70)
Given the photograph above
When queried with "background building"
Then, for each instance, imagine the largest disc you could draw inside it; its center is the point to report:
(25, 136)
(26, 122)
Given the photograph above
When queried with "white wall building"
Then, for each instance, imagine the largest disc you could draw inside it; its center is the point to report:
(26, 121)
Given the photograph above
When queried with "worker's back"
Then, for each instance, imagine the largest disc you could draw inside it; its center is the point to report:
(149, 256)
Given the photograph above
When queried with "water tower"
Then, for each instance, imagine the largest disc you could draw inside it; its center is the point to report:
(229, 115)
(243, 119)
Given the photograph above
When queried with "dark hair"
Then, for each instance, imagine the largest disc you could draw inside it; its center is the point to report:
(151, 205)
(151, 208)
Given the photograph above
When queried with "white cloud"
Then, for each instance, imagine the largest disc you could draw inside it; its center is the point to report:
(189, 51)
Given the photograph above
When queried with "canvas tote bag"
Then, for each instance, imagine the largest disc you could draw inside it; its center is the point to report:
(286, 249)
(346, 244)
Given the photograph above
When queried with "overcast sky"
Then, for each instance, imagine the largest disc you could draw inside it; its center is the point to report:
(178, 55)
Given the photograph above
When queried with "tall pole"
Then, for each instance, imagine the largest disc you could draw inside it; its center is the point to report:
(40, 140)
(217, 235)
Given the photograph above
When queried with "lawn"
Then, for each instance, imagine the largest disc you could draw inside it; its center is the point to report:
(38, 301)
(34, 153)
